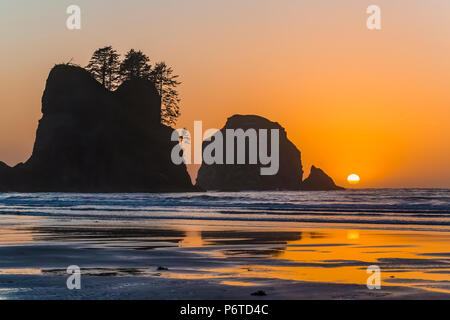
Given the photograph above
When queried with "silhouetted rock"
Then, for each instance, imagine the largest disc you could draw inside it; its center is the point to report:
(160, 268)
(142, 98)
(259, 293)
(237, 177)
(4, 176)
(319, 181)
(92, 140)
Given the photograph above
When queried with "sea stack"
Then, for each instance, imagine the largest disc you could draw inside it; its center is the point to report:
(239, 177)
(319, 181)
(93, 140)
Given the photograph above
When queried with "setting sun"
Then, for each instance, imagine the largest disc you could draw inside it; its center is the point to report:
(353, 179)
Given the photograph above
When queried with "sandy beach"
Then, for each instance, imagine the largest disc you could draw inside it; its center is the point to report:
(216, 259)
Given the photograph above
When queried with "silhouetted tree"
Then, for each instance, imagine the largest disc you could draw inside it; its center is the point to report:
(136, 65)
(166, 84)
(104, 67)
(109, 71)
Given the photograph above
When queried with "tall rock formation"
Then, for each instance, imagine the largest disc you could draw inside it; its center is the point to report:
(92, 140)
(236, 177)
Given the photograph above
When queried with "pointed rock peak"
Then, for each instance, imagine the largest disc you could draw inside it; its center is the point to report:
(3, 165)
(318, 180)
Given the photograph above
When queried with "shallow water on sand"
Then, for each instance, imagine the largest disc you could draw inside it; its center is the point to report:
(222, 245)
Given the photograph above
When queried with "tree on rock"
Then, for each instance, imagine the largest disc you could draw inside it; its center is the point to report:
(136, 65)
(104, 67)
(107, 69)
(166, 83)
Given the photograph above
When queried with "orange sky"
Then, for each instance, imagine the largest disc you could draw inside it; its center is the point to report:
(375, 103)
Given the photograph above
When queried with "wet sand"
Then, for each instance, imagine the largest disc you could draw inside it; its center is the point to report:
(163, 259)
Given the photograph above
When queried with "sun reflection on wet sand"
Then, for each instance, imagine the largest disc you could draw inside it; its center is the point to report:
(236, 255)
(238, 283)
(406, 258)
(21, 271)
(15, 235)
(193, 238)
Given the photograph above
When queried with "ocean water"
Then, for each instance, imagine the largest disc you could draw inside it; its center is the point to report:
(410, 208)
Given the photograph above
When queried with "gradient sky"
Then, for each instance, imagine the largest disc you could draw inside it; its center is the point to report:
(374, 103)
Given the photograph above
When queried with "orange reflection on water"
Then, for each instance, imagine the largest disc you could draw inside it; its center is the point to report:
(406, 258)
(14, 235)
(21, 271)
(238, 283)
(192, 238)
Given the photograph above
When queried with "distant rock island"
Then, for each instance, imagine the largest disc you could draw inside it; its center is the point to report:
(91, 139)
(240, 177)
(318, 181)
